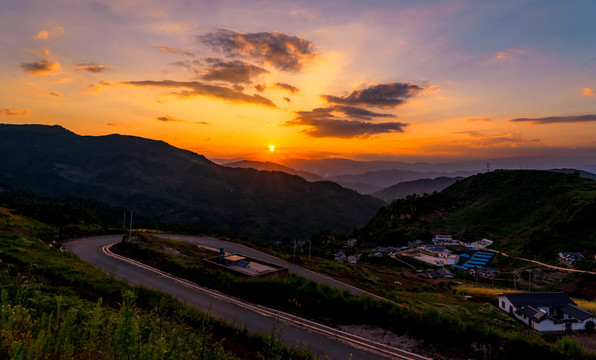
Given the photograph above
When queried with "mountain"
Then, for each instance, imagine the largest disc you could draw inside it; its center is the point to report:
(375, 181)
(585, 174)
(165, 183)
(418, 187)
(534, 213)
(271, 166)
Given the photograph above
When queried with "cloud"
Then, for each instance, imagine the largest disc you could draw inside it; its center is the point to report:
(14, 112)
(557, 119)
(56, 94)
(287, 87)
(383, 95)
(232, 71)
(282, 51)
(588, 92)
(45, 34)
(95, 88)
(343, 122)
(174, 51)
(42, 67)
(94, 68)
(195, 88)
(478, 119)
(168, 118)
(42, 35)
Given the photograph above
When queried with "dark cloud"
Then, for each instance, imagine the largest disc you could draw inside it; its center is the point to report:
(287, 87)
(232, 71)
(174, 51)
(557, 119)
(192, 67)
(169, 118)
(260, 87)
(56, 94)
(288, 99)
(343, 122)
(13, 112)
(282, 51)
(41, 67)
(384, 95)
(94, 68)
(195, 88)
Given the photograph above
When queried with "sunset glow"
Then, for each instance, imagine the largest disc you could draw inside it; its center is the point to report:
(432, 81)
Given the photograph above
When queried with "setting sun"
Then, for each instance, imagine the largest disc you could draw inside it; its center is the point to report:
(271, 148)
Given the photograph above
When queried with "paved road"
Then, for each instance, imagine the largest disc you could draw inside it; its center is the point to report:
(543, 264)
(232, 247)
(255, 319)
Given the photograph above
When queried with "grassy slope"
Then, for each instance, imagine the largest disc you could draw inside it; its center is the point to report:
(534, 213)
(55, 306)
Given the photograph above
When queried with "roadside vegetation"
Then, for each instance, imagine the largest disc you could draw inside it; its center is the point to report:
(55, 306)
(439, 314)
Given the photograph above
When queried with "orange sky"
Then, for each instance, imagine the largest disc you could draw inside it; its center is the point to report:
(432, 81)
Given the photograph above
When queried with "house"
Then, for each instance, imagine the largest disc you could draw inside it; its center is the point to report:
(439, 273)
(350, 243)
(485, 271)
(570, 257)
(552, 312)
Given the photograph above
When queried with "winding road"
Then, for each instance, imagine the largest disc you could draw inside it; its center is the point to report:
(321, 339)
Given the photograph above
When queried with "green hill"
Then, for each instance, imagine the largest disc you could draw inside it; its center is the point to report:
(530, 212)
(169, 184)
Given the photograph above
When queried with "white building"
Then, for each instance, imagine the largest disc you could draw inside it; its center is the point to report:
(546, 312)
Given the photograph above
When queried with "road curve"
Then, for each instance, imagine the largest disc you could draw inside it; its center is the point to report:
(232, 247)
(321, 340)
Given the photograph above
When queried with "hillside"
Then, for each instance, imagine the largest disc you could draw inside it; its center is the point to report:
(529, 212)
(271, 166)
(165, 183)
(418, 187)
(375, 181)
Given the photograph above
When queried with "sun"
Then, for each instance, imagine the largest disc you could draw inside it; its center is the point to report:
(271, 148)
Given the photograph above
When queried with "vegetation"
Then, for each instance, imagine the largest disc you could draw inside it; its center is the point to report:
(476, 328)
(530, 213)
(55, 306)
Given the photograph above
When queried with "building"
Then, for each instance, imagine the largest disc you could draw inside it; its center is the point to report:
(245, 266)
(570, 257)
(551, 312)
(439, 274)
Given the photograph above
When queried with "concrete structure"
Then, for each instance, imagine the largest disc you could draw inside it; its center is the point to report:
(553, 313)
(245, 266)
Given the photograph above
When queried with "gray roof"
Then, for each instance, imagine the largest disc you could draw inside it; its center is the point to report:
(538, 299)
(576, 312)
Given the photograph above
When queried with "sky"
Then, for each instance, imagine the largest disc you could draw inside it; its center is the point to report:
(427, 80)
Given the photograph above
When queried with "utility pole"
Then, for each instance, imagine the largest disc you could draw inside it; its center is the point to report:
(130, 229)
(294, 257)
(514, 283)
(124, 220)
(309, 242)
(529, 280)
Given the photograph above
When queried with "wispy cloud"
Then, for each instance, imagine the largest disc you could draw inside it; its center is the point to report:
(56, 94)
(174, 51)
(42, 67)
(195, 88)
(45, 34)
(557, 119)
(282, 51)
(478, 120)
(95, 88)
(343, 122)
(231, 71)
(287, 87)
(588, 92)
(91, 67)
(169, 118)
(383, 95)
(14, 112)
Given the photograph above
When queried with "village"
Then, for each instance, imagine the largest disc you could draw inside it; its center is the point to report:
(546, 312)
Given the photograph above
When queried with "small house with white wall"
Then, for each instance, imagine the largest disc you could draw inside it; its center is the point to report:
(552, 312)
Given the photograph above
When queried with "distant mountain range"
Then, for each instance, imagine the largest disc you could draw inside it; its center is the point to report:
(417, 187)
(270, 166)
(166, 183)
